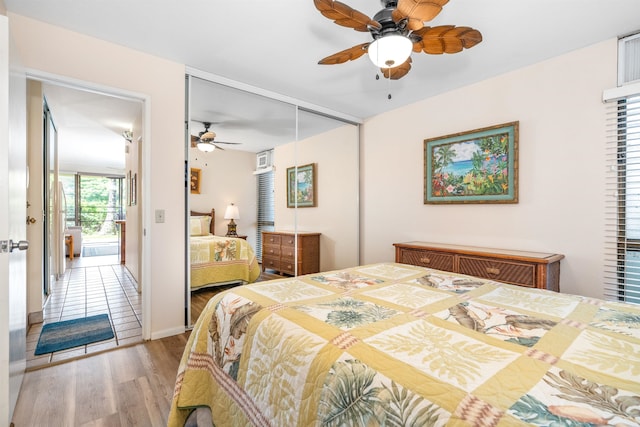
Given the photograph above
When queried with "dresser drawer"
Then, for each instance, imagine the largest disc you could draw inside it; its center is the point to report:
(424, 258)
(288, 240)
(270, 263)
(271, 239)
(517, 273)
(288, 252)
(271, 250)
(287, 266)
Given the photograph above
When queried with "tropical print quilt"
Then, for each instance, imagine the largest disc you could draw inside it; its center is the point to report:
(399, 345)
(221, 260)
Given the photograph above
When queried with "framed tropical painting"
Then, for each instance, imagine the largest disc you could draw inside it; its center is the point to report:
(301, 186)
(195, 180)
(479, 166)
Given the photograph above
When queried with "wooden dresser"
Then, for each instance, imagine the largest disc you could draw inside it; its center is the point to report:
(278, 252)
(529, 269)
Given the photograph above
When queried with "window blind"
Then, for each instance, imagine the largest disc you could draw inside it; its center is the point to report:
(266, 208)
(622, 203)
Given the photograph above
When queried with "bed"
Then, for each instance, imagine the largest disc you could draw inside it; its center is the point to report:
(217, 260)
(394, 344)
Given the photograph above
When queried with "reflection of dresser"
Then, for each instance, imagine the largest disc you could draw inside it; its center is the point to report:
(523, 268)
(278, 252)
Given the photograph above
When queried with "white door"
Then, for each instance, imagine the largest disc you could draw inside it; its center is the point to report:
(13, 200)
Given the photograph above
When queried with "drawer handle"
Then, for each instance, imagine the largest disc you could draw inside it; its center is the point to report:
(494, 271)
(425, 260)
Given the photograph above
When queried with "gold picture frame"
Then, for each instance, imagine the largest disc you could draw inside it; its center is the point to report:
(301, 186)
(478, 166)
(195, 180)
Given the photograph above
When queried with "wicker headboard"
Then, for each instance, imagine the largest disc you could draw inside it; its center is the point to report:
(212, 214)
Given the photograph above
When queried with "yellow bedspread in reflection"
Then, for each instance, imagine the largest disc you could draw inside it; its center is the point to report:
(221, 260)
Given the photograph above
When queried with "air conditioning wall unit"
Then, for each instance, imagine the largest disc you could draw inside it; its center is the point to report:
(263, 159)
(629, 59)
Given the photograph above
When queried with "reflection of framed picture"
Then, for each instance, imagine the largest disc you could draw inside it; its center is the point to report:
(479, 166)
(128, 188)
(301, 186)
(195, 180)
(134, 189)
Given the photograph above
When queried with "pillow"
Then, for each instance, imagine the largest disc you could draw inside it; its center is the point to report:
(199, 225)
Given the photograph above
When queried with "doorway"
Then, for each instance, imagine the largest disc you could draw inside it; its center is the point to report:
(87, 162)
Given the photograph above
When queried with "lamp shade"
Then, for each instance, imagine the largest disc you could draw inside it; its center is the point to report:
(207, 147)
(232, 212)
(390, 51)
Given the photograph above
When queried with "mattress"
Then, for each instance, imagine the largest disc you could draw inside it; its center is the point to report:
(395, 344)
(219, 260)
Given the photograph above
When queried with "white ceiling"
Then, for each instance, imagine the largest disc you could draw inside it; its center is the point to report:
(90, 127)
(276, 45)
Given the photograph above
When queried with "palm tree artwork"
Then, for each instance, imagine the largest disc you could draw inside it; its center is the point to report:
(476, 167)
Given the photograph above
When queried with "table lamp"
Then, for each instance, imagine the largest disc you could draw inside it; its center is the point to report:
(232, 213)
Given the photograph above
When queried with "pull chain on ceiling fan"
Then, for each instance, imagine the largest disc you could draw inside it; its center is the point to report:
(397, 30)
(205, 141)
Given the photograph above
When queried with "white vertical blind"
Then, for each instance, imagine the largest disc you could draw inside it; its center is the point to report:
(622, 206)
(266, 208)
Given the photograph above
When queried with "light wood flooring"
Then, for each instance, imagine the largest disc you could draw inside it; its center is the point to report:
(127, 386)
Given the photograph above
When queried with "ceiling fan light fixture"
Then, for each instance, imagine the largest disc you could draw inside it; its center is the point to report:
(207, 147)
(208, 135)
(390, 51)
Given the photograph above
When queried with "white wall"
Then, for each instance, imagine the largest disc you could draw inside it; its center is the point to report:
(561, 167)
(49, 49)
(227, 177)
(561, 160)
(335, 154)
(133, 212)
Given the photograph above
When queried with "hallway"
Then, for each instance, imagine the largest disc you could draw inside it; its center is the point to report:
(91, 285)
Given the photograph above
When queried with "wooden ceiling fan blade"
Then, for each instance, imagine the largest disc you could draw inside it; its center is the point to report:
(217, 147)
(346, 16)
(224, 142)
(418, 11)
(194, 141)
(398, 72)
(350, 54)
(446, 39)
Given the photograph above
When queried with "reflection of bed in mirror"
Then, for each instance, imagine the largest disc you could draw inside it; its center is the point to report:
(218, 260)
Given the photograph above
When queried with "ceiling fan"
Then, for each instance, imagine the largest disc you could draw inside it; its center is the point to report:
(205, 141)
(397, 30)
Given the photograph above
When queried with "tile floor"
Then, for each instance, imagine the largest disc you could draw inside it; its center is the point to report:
(91, 285)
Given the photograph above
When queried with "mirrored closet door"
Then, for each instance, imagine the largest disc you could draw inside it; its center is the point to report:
(271, 168)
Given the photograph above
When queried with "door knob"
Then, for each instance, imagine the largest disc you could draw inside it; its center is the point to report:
(30, 220)
(22, 245)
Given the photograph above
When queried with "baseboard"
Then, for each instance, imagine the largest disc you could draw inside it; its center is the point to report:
(35, 317)
(167, 333)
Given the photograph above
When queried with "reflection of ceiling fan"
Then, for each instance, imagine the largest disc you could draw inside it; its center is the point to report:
(205, 141)
(397, 30)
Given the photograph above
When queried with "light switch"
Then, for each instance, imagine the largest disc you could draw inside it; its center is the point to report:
(159, 215)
